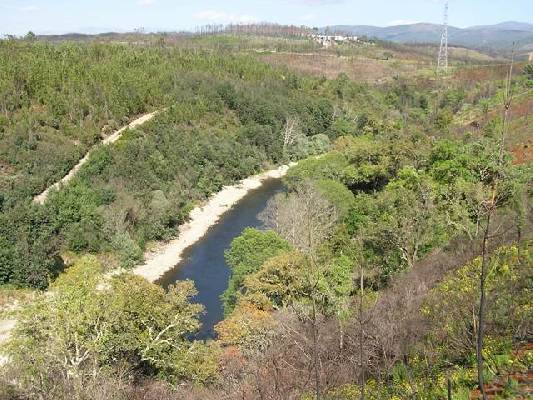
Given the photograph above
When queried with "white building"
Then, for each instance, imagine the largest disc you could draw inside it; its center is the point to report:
(329, 40)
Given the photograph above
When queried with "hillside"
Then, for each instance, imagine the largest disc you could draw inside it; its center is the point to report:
(238, 101)
(395, 262)
(496, 37)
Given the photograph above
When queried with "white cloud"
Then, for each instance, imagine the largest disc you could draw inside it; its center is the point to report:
(145, 3)
(223, 17)
(402, 22)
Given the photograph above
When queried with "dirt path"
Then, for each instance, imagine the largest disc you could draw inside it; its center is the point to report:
(41, 199)
(6, 326)
(167, 255)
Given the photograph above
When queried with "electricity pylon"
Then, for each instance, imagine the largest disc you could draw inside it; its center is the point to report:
(442, 65)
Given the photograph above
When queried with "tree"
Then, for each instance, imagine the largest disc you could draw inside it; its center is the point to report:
(85, 323)
(496, 197)
(337, 194)
(30, 36)
(303, 217)
(290, 133)
(398, 225)
(248, 326)
(306, 220)
(279, 283)
(528, 70)
(370, 163)
(409, 217)
(245, 256)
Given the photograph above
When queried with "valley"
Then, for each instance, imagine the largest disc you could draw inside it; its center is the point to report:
(244, 214)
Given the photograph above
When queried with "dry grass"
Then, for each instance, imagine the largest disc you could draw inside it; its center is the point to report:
(10, 297)
(523, 154)
(359, 69)
(469, 54)
(520, 139)
(521, 132)
(482, 73)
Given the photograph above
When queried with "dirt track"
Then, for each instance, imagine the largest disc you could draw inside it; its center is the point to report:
(41, 199)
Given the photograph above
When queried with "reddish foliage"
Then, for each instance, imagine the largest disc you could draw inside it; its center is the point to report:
(496, 388)
(522, 154)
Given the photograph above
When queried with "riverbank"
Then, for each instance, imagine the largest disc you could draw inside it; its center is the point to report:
(167, 255)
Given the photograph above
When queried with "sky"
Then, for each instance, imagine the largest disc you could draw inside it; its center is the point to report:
(90, 16)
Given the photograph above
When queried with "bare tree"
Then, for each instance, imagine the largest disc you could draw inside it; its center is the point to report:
(361, 331)
(289, 133)
(306, 219)
(489, 207)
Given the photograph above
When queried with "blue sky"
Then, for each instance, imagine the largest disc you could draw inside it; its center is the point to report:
(60, 16)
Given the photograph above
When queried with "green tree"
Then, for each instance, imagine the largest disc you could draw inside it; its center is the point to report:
(86, 323)
(246, 255)
(370, 163)
(409, 218)
(30, 36)
(528, 70)
(337, 194)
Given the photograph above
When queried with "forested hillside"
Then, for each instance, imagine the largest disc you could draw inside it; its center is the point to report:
(371, 285)
(397, 264)
(499, 36)
(226, 121)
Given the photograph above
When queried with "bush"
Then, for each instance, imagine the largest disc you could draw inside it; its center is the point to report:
(91, 325)
(128, 251)
(245, 256)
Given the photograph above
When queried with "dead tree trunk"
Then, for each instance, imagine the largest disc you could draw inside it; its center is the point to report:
(361, 335)
(490, 208)
(482, 305)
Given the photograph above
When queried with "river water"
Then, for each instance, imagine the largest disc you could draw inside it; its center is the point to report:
(204, 261)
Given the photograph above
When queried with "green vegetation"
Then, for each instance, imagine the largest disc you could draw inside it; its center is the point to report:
(247, 254)
(396, 198)
(227, 119)
(405, 230)
(86, 325)
(408, 198)
(448, 343)
(528, 70)
(399, 216)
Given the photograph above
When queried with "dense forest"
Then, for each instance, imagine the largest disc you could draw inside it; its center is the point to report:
(225, 120)
(397, 264)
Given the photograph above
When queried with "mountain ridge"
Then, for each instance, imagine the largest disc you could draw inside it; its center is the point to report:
(497, 37)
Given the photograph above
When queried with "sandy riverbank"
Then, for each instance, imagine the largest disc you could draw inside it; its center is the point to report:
(166, 256)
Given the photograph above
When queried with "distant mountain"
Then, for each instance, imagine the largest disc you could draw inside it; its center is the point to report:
(500, 36)
(508, 26)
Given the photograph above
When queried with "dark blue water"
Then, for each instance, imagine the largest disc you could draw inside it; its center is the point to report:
(204, 262)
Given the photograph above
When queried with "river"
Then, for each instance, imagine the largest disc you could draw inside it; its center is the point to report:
(204, 261)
